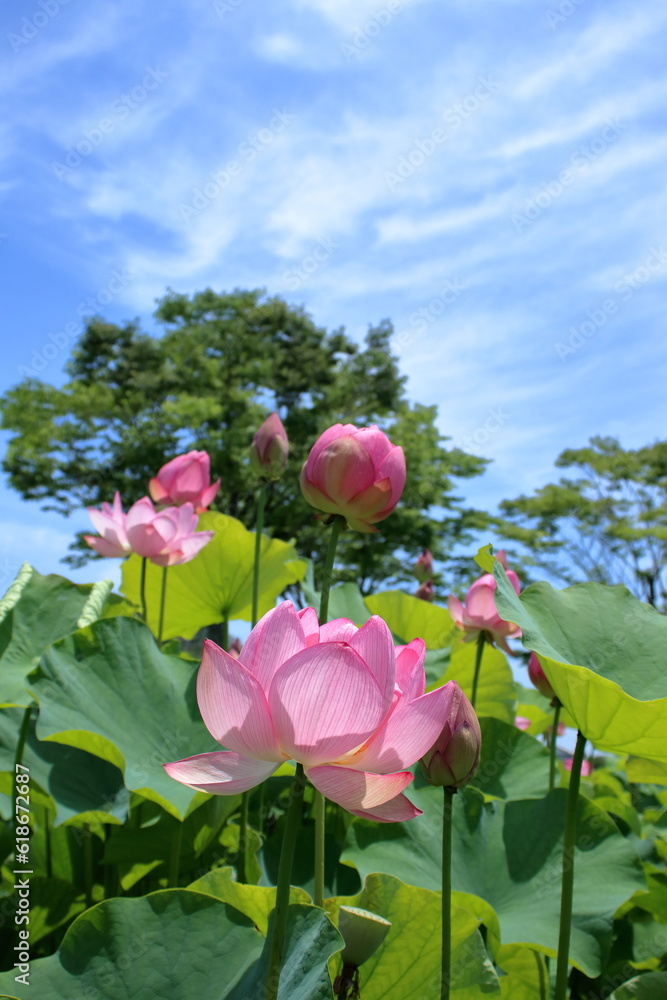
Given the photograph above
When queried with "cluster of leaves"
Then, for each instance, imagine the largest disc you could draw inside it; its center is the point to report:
(134, 877)
(133, 401)
(607, 523)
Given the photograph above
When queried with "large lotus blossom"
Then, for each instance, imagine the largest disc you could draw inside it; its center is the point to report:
(341, 700)
(478, 613)
(355, 472)
(166, 537)
(110, 523)
(270, 448)
(185, 479)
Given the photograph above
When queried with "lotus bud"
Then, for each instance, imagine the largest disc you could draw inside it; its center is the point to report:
(454, 758)
(269, 449)
(425, 591)
(363, 932)
(235, 649)
(423, 568)
(521, 722)
(539, 678)
(355, 473)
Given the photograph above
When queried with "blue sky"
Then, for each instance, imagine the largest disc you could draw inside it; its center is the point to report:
(490, 176)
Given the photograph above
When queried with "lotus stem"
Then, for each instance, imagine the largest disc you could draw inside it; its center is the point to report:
(259, 524)
(318, 799)
(327, 572)
(279, 928)
(478, 663)
(445, 975)
(142, 590)
(163, 597)
(552, 744)
(567, 889)
(242, 865)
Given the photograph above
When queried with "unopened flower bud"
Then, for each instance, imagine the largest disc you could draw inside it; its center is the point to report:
(454, 758)
(539, 678)
(269, 449)
(363, 932)
(423, 568)
(425, 591)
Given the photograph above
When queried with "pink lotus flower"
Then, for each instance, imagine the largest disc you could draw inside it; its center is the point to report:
(269, 449)
(166, 537)
(110, 524)
(185, 479)
(355, 472)
(453, 759)
(521, 722)
(539, 678)
(341, 700)
(586, 766)
(423, 567)
(479, 613)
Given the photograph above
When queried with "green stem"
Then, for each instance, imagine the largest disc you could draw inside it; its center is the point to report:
(88, 864)
(163, 596)
(445, 974)
(552, 747)
(319, 808)
(567, 889)
(47, 843)
(260, 809)
(318, 799)
(478, 663)
(175, 857)
(142, 590)
(279, 925)
(242, 865)
(327, 572)
(224, 634)
(259, 524)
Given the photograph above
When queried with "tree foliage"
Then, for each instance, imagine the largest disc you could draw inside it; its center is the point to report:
(608, 522)
(223, 362)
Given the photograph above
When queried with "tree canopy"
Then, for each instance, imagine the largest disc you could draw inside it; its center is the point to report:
(222, 362)
(608, 522)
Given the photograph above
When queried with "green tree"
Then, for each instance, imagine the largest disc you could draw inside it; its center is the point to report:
(223, 362)
(606, 523)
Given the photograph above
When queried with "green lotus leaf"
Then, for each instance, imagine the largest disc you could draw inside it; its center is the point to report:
(79, 785)
(649, 986)
(35, 612)
(513, 765)
(406, 966)
(180, 943)
(109, 690)
(411, 618)
(509, 856)
(256, 901)
(524, 973)
(604, 654)
(217, 584)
